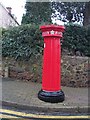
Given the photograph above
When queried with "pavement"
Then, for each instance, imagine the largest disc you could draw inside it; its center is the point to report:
(23, 94)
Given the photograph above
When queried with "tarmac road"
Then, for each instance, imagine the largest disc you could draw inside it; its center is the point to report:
(12, 112)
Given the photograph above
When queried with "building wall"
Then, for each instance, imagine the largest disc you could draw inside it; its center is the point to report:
(5, 19)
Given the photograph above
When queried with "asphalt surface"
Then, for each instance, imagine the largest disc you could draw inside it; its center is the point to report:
(14, 114)
(23, 95)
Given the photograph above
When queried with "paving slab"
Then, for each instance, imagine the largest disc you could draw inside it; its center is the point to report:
(24, 94)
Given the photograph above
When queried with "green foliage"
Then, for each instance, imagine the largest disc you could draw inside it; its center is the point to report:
(69, 11)
(24, 42)
(37, 12)
(72, 12)
(76, 38)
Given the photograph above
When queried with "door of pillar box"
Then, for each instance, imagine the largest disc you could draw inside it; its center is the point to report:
(51, 64)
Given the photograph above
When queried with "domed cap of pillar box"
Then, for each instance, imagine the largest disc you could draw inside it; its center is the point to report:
(52, 30)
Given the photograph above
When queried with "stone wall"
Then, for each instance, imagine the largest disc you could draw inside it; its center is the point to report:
(75, 70)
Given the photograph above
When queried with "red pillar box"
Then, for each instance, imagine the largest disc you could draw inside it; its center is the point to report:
(51, 76)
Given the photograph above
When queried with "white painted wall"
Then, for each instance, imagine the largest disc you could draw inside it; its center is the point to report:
(5, 19)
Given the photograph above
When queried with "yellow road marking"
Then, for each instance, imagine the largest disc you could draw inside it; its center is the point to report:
(8, 116)
(22, 114)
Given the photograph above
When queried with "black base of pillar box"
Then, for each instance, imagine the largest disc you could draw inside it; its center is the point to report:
(52, 97)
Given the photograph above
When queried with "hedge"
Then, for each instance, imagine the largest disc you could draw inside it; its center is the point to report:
(25, 41)
(22, 42)
(76, 38)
